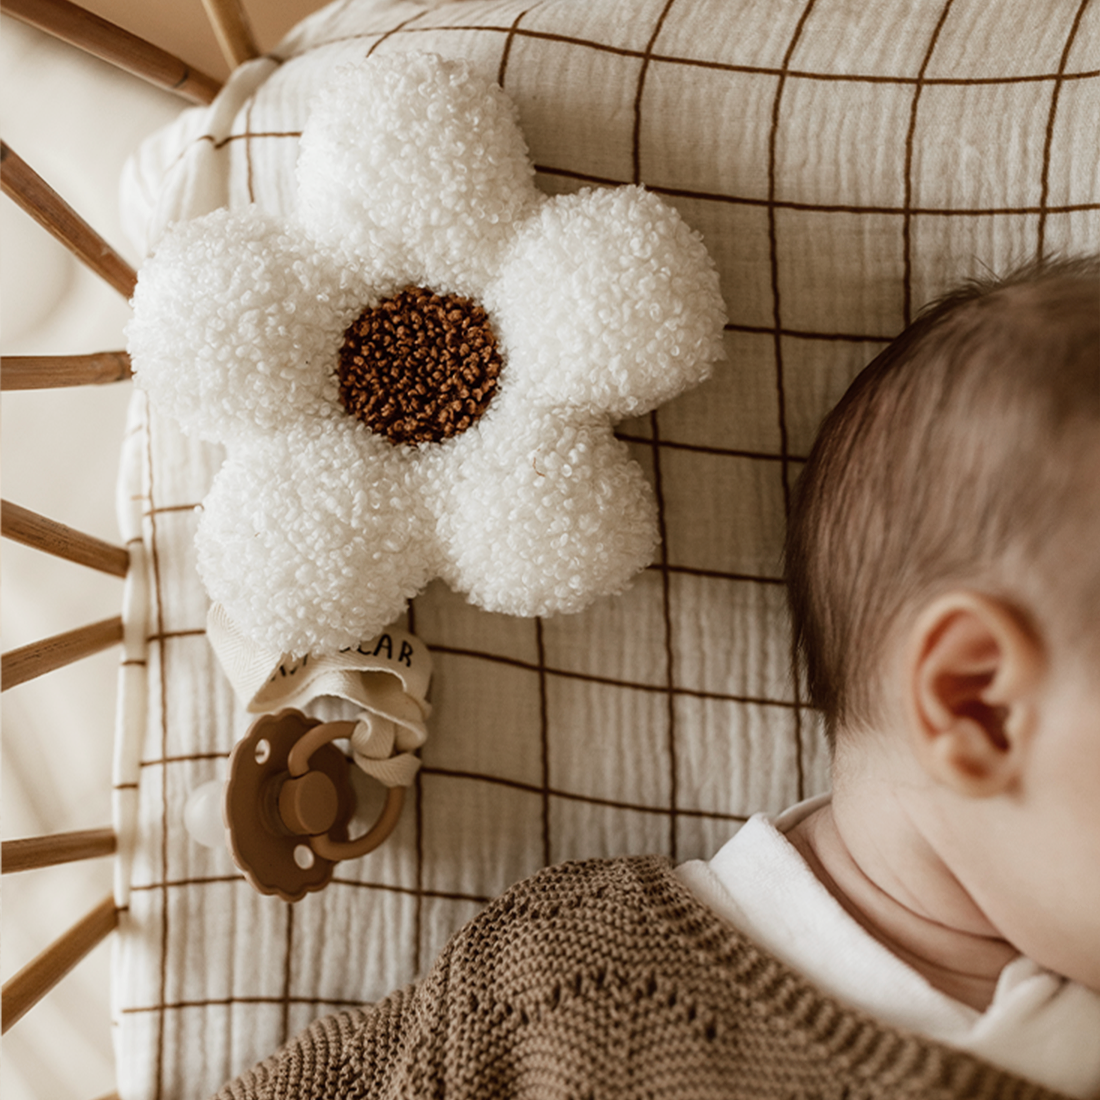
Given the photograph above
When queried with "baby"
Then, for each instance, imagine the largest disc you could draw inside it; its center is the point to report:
(932, 928)
(943, 569)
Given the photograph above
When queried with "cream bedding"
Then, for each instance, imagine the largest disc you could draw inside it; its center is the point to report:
(844, 163)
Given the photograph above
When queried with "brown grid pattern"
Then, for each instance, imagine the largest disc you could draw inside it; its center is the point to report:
(822, 160)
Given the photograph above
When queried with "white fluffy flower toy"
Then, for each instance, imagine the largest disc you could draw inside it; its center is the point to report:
(416, 374)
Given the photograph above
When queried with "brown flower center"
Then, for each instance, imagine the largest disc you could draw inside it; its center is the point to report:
(419, 367)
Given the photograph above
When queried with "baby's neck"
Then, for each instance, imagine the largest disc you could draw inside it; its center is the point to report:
(890, 880)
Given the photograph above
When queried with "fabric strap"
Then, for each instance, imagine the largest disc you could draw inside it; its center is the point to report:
(387, 677)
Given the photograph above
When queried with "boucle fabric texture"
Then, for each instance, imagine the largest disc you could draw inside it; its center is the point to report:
(844, 162)
(607, 979)
(379, 436)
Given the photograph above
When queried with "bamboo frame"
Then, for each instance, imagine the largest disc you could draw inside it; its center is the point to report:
(38, 658)
(22, 992)
(27, 188)
(32, 852)
(48, 372)
(116, 46)
(232, 30)
(124, 50)
(51, 537)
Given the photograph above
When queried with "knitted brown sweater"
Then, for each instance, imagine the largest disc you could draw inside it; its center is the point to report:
(609, 979)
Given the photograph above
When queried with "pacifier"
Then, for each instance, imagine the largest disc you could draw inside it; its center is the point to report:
(287, 803)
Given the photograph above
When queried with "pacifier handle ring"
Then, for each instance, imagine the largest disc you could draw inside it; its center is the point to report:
(297, 761)
(336, 850)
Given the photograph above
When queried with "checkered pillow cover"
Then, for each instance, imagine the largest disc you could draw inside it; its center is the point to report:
(844, 163)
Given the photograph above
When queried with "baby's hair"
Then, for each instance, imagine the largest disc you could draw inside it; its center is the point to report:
(965, 454)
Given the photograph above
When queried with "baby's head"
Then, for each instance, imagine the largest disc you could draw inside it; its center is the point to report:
(943, 564)
(964, 456)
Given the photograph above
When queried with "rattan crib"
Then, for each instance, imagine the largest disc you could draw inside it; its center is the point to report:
(839, 163)
(99, 38)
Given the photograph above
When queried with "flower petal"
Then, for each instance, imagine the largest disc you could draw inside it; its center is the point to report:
(315, 541)
(418, 158)
(544, 519)
(237, 323)
(609, 302)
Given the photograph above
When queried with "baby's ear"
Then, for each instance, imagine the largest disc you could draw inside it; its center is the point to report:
(972, 668)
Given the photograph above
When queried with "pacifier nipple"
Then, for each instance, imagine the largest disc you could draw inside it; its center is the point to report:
(202, 815)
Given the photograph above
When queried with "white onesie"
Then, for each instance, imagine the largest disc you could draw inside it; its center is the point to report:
(1039, 1026)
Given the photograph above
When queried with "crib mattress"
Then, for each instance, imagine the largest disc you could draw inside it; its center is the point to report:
(844, 163)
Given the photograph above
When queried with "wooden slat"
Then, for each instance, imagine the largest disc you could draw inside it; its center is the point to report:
(26, 187)
(51, 537)
(31, 852)
(39, 976)
(234, 35)
(111, 43)
(41, 657)
(48, 372)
